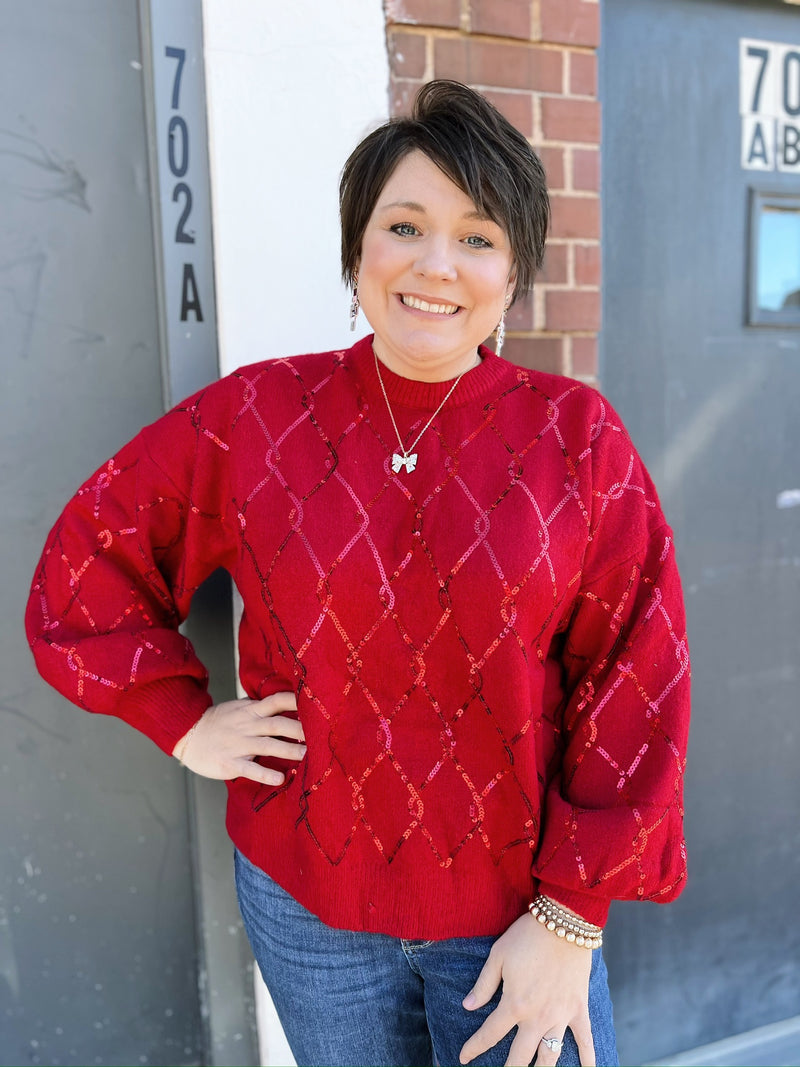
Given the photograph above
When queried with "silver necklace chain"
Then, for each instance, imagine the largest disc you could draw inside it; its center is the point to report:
(408, 459)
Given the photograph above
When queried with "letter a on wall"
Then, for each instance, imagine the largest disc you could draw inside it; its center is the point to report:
(769, 105)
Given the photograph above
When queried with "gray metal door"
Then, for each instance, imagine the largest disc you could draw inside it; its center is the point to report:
(102, 956)
(713, 404)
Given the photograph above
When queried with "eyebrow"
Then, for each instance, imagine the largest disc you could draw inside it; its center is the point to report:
(412, 205)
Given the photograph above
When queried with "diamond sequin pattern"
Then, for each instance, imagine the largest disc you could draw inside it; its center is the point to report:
(493, 636)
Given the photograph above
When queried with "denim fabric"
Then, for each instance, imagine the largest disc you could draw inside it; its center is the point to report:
(361, 999)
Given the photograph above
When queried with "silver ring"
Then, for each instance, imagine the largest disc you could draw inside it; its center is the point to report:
(553, 1043)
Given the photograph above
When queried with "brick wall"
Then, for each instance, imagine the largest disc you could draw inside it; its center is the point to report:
(536, 61)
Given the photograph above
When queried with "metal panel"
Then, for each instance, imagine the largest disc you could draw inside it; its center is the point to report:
(176, 103)
(713, 406)
(98, 933)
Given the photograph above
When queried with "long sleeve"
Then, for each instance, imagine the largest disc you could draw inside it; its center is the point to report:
(489, 652)
(613, 815)
(119, 569)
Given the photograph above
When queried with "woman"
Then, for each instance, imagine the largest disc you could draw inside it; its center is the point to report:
(463, 641)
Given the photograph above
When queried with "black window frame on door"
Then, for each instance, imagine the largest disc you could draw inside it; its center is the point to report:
(763, 200)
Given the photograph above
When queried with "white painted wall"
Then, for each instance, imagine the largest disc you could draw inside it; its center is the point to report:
(291, 89)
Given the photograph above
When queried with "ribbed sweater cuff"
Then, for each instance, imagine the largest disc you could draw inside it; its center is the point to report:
(590, 907)
(164, 710)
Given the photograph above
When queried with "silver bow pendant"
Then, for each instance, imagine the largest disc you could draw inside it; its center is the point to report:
(408, 461)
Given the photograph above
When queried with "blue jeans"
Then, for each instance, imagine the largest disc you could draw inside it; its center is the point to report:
(361, 999)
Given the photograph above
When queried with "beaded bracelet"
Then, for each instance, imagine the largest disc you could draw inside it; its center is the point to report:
(563, 924)
(560, 912)
(553, 911)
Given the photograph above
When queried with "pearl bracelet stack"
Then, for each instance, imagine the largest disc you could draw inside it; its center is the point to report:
(563, 924)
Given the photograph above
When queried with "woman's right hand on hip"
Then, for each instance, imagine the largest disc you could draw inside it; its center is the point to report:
(226, 741)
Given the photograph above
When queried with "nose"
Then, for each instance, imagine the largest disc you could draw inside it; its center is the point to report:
(435, 259)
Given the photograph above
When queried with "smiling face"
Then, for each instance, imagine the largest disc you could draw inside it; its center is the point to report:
(434, 274)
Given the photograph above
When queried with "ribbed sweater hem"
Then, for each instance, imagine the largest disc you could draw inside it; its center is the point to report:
(419, 901)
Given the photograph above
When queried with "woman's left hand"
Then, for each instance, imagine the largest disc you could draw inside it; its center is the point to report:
(545, 990)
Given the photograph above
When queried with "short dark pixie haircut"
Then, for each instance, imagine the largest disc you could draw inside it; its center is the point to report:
(478, 150)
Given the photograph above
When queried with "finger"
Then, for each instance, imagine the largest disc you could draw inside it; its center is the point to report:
(273, 748)
(582, 1032)
(545, 1056)
(276, 726)
(494, 1029)
(486, 985)
(274, 704)
(257, 773)
(523, 1048)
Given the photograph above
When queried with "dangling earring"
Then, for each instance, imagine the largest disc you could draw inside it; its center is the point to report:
(501, 329)
(354, 305)
(501, 333)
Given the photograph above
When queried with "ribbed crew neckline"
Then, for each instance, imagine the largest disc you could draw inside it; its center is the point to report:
(426, 396)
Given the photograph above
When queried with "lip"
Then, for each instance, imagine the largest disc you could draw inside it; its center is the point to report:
(433, 301)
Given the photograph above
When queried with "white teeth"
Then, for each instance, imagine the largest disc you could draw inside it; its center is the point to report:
(423, 305)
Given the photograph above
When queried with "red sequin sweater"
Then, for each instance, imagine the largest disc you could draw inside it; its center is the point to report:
(489, 652)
